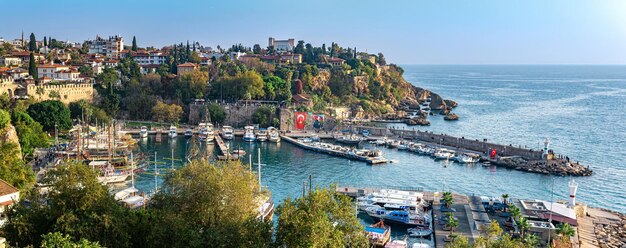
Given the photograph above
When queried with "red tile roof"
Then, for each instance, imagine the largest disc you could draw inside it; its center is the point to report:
(188, 64)
(6, 188)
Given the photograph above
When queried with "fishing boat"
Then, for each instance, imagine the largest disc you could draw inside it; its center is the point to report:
(248, 134)
(442, 153)
(261, 135)
(188, 132)
(467, 158)
(274, 136)
(172, 132)
(227, 133)
(108, 174)
(401, 217)
(143, 132)
(129, 196)
(419, 231)
(378, 234)
(348, 139)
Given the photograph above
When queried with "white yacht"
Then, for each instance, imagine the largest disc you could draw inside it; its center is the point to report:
(274, 136)
(248, 135)
(143, 132)
(227, 133)
(188, 132)
(261, 135)
(172, 133)
(202, 131)
(467, 158)
(442, 153)
(210, 133)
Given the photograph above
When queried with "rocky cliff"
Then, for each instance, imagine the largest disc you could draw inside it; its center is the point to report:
(9, 135)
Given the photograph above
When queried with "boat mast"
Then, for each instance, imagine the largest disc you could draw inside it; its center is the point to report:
(132, 170)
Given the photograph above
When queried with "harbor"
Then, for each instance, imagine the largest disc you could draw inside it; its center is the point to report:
(334, 150)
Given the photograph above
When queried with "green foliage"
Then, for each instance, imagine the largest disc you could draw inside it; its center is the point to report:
(277, 89)
(163, 112)
(134, 47)
(32, 44)
(49, 113)
(12, 167)
(338, 83)
(216, 112)
(263, 116)
(29, 131)
(32, 67)
(77, 205)
(91, 114)
(58, 240)
(202, 204)
(565, 230)
(322, 218)
(190, 86)
(5, 119)
(247, 85)
(381, 59)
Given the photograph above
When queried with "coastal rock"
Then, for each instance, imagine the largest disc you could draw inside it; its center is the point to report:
(417, 121)
(444, 112)
(450, 103)
(451, 117)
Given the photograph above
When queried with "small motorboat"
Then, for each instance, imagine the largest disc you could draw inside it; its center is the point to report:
(143, 132)
(419, 231)
(261, 135)
(227, 132)
(248, 135)
(240, 152)
(172, 133)
(188, 132)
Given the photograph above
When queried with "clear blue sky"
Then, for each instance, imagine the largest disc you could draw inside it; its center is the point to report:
(407, 32)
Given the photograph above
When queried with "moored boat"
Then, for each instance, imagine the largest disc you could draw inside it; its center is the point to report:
(348, 139)
(274, 136)
(188, 132)
(419, 231)
(378, 234)
(467, 158)
(248, 135)
(143, 132)
(261, 135)
(442, 153)
(227, 133)
(172, 132)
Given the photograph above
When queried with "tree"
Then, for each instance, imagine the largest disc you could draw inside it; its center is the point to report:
(565, 230)
(77, 205)
(523, 226)
(216, 112)
(58, 240)
(12, 167)
(5, 119)
(256, 49)
(163, 112)
(32, 44)
(32, 67)
(447, 199)
(452, 223)
(263, 116)
(299, 48)
(30, 132)
(505, 197)
(322, 218)
(134, 47)
(515, 212)
(202, 204)
(49, 113)
(381, 59)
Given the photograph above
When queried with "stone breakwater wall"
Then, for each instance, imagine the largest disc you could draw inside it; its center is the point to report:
(509, 156)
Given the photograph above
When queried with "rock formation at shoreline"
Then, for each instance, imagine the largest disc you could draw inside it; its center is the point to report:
(611, 234)
(451, 117)
(559, 167)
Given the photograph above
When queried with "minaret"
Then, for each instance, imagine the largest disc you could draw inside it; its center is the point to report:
(573, 186)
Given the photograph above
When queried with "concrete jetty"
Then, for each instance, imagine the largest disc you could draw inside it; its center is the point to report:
(509, 156)
(369, 160)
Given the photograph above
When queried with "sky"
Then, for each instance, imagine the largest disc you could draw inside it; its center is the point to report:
(407, 32)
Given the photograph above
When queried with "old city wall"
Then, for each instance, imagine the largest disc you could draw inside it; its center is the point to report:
(68, 92)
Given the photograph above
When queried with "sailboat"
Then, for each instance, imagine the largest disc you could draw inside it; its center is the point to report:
(129, 196)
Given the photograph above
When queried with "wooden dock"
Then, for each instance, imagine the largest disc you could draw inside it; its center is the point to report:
(368, 160)
(223, 149)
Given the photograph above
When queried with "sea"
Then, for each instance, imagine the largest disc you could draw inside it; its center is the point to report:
(580, 109)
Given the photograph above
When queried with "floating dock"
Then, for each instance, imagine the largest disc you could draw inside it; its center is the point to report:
(368, 160)
(223, 149)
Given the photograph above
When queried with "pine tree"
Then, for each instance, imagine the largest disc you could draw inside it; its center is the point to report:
(32, 45)
(49, 40)
(134, 48)
(324, 49)
(32, 67)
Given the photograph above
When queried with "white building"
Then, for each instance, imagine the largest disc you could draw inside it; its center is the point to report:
(9, 195)
(59, 72)
(10, 61)
(282, 45)
(147, 57)
(111, 47)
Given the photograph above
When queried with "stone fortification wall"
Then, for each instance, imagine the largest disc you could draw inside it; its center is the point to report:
(68, 92)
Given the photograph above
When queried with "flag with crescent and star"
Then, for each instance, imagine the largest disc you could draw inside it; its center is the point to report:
(300, 120)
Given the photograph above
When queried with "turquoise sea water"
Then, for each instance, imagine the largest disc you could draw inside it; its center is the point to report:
(582, 109)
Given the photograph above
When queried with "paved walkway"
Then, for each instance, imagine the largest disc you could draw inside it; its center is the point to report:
(464, 229)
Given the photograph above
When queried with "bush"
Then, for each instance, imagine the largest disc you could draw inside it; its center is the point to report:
(5, 118)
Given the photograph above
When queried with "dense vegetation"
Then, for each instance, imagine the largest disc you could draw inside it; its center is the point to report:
(197, 205)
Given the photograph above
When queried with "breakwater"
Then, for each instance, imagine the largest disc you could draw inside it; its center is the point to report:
(508, 156)
(338, 153)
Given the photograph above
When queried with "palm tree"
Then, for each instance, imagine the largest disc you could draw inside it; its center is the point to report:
(504, 198)
(531, 240)
(452, 223)
(515, 212)
(565, 230)
(447, 199)
(523, 226)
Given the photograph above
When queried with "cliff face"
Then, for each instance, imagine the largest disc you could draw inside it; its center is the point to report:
(9, 135)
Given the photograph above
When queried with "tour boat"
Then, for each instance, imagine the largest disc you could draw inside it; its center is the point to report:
(248, 134)
(400, 217)
(378, 234)
(210, 133)
(443, 153)
(188, 132)
(172, 133)
(227, 132)
(261, 135)
(143, 132)
(396, 244)
(419, 231)
(274, 136)
(109, 175)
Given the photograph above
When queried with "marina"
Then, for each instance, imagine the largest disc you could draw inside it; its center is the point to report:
(335, 150)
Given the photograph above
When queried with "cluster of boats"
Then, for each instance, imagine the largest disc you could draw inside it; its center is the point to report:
(270, 134)
(406, 209)
(315, 143)
(428, 150)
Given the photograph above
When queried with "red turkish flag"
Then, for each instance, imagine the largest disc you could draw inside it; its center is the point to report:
(300, 120)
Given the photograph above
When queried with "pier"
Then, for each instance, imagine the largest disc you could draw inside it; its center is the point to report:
(368, 160)
(223, 148)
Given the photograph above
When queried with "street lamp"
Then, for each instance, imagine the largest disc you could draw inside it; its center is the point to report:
(56, 135)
